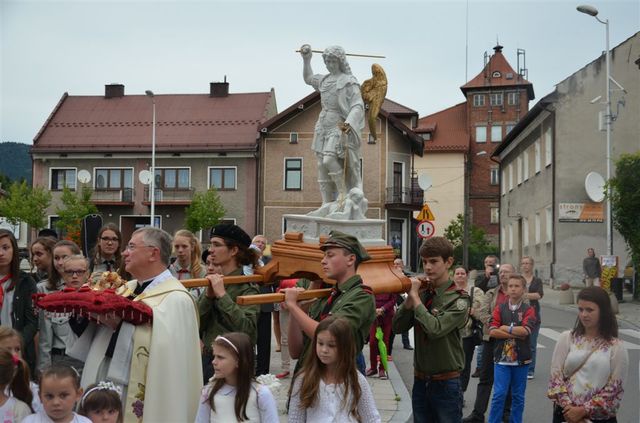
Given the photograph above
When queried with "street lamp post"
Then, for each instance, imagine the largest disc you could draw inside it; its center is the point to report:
(152, 185)
(592, 11)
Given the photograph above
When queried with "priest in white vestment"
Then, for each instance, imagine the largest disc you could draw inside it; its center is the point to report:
(158, 365)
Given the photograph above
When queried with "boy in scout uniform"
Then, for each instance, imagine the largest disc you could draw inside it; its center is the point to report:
(349, 299)
(437, 313)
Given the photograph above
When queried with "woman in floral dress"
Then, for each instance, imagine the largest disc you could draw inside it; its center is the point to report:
(589, 364)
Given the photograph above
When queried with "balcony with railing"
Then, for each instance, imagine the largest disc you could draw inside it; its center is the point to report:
(165, 196)
(113, 197)
(404, 198)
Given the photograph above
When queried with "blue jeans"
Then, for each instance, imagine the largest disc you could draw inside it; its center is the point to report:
(533, 338)
(437, 401)
(505, 377)
(360, 363)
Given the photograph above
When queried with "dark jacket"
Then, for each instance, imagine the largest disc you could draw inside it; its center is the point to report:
(525, 316)
(24, 319)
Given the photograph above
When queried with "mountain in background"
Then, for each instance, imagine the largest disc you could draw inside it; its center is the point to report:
(15, 162)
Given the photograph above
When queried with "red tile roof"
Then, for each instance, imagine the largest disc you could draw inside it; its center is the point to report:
(448, 129)
(185, 122)
(396, 108)
(508, 77)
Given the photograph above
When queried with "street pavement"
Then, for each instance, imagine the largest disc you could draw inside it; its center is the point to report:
(393, 397)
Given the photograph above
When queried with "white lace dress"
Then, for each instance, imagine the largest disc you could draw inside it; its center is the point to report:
(329, 409)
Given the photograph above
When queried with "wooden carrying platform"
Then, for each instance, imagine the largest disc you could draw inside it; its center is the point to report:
(291, 257)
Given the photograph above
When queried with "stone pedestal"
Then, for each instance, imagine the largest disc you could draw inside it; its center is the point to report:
(566, 297)
(370, 232)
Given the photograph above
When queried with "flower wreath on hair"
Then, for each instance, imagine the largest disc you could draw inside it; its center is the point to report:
(103, 385)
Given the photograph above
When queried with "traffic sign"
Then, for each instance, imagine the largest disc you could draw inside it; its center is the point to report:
(425, 229)
(426, 213)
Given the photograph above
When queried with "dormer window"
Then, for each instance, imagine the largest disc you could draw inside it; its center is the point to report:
(426, 136)
(496, 74)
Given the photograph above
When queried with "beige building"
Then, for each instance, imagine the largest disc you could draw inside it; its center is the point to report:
(288, 170)
(202, 141)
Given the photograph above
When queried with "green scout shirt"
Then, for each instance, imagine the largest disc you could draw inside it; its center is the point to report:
(438, 345)
(222, 315)
(355, 303)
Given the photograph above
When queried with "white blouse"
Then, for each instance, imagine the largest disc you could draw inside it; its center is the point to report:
(598, 384)
(261, 406)
(329, 406)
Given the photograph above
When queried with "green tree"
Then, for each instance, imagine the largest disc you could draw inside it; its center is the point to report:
(75, 206)
(625, 203)
(479, 245)
(205, 211)
(27, 204)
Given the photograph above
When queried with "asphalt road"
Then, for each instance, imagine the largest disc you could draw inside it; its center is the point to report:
(537, 407)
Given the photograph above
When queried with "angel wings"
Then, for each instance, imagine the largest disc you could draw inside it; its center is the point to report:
(373, 92)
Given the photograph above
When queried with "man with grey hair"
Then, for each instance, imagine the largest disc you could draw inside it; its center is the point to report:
(157, 363)
(492, 298)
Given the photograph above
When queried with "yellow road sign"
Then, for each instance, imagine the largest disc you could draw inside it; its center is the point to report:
(425, 214)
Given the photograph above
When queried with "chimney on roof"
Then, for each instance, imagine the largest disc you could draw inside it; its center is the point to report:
(113, 90)
(498, 48)
(219, 89)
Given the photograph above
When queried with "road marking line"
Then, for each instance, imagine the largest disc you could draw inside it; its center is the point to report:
(555, 335)
(631, 332)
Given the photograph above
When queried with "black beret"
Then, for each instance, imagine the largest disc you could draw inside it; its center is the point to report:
(230, 231)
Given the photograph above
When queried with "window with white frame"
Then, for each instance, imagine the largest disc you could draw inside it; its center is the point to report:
(525, 165)
(478, 100)
(513, 98)
(537, 229)
(293, 138)
(61, 178)
(495, 214)
(504, 181)
(510, 236)
(494, 175)
(525, 232)
(107, 179)
(503, 238)
(481, 134)
(293, 174)
(495, 99)
(496, 133)
(519, 170)
(510, 167)
(549, 223)
(223, 178)
(537, 154)
(172, 178)
(547, 146)
(509, 127)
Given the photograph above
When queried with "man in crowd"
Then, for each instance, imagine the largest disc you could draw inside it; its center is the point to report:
(157, 363)
(437, 315)
(591, 268)
(492, 297)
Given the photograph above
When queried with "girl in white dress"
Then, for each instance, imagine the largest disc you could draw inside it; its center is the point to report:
(59, 391)
(232, 394)
(589, 364)
(329, 388)
(14, 376)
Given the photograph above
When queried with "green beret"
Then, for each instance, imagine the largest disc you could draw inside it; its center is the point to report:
(350, 243)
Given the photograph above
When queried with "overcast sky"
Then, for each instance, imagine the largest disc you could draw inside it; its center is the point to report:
(51, 47)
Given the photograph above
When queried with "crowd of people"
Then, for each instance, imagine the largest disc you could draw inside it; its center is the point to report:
(199, 357)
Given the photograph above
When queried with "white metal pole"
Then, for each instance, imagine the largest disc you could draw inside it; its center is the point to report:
(152, 186)
(608, 118)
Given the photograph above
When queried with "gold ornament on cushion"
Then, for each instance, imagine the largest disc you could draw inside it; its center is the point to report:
(99, 281)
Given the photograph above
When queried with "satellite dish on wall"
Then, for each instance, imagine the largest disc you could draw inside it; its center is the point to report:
(594, 185)
(424, 181)
(145, 177)
(84, 176)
